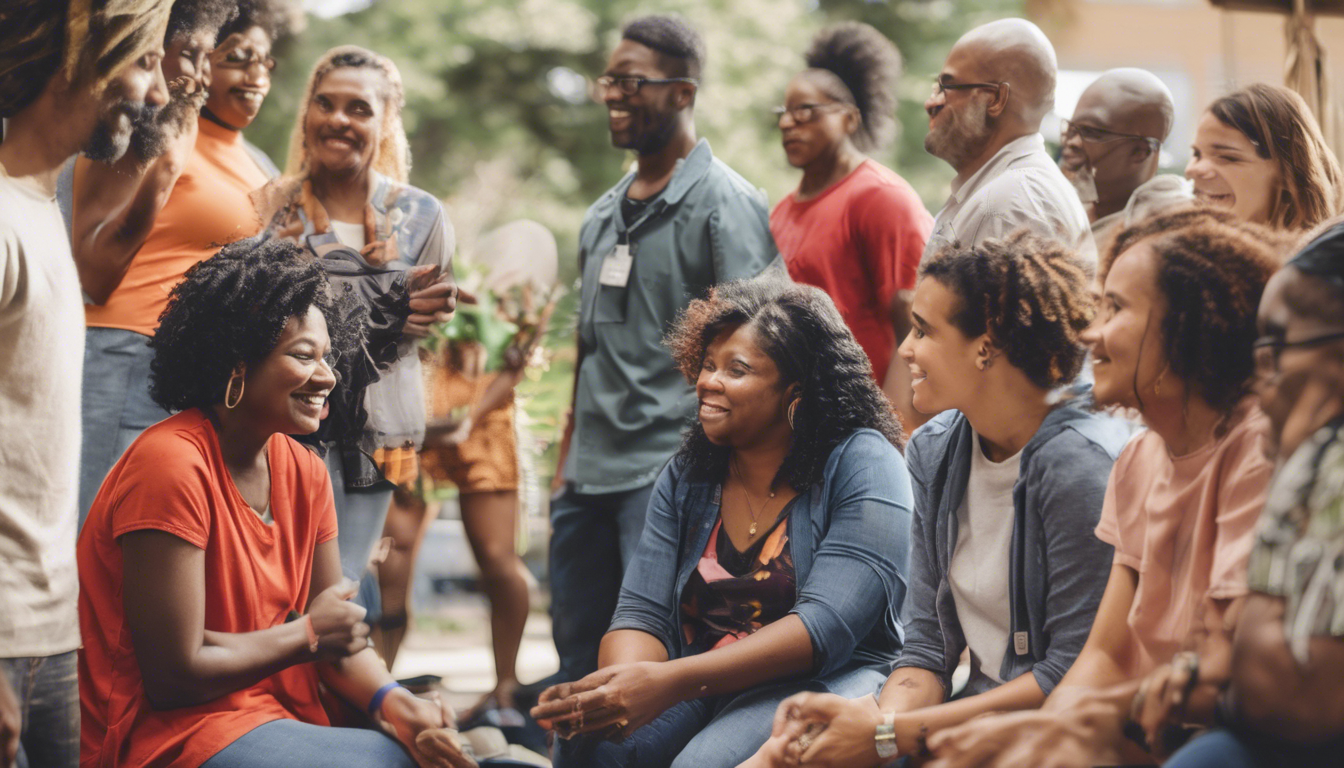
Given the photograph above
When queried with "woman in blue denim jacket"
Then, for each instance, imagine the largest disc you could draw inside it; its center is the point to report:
(774, 555)
(1009, 481)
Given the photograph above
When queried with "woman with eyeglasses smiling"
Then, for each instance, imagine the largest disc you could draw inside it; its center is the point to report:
(852, 228)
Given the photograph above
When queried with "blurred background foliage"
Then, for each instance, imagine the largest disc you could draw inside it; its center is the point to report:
(501, 126)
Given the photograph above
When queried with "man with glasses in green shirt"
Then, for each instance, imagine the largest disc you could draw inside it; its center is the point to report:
(1111, 148)
(677, 224)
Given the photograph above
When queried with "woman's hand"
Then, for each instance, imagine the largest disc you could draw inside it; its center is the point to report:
(614, 701)
(433, 300)
(339, 623)
(1167, 690)
(424, 726)
(1078, 736)
(849, 726)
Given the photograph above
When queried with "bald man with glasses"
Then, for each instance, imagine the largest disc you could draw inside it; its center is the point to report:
(985, 114)
(1112, 147)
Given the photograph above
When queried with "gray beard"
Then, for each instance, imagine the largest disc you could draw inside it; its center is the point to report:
(959, 141)
(1084, 182)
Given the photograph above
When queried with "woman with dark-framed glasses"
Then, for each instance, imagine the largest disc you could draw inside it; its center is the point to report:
(853, 228)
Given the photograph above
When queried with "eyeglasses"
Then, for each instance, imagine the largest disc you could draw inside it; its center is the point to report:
(1267, 349)
(629, 85)
(941, 88)
(1090, 134)
(805, 113)
(241, 58)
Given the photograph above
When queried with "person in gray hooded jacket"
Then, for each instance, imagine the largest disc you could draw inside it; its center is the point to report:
(1009, 481)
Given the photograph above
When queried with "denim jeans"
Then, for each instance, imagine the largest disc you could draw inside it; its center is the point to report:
(48, 691)
(115, 404)
(593, 537)
(302, 745)
(715, 732)
(359, 518)
(1224, 749)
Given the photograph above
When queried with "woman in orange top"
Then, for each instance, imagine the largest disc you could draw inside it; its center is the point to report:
(1172, 340)
(211, 599)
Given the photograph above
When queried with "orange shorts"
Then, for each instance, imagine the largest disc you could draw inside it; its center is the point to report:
(488, 459)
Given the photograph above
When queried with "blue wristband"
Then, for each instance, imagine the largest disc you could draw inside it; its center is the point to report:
(376, 703)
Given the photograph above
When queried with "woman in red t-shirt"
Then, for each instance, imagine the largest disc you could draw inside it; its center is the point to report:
(853, 228)
(211, 600)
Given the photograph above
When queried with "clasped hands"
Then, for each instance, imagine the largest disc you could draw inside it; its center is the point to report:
(611, 703)
(822, 729)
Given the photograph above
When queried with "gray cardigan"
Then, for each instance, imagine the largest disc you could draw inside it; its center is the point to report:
(1058, 567)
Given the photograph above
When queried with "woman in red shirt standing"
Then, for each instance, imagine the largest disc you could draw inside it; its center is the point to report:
(853, 228)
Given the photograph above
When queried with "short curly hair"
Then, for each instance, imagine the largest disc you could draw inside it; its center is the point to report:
(1211, 270)
(231, 309)
(800, 329)
(674, 38)
(1032, 295)
(275, 17)
(868, 64)
(191, 16)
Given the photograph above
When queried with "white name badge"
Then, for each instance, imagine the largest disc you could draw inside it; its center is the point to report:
(616, 267)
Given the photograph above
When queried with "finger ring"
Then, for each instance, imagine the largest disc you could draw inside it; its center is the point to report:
(622, 724)
(804, 742)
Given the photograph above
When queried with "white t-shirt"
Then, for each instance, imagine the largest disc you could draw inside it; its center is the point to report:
(978, 574)
(41, 366)
(350, 235)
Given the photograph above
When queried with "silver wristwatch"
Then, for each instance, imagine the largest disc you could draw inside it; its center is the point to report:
(885, 738)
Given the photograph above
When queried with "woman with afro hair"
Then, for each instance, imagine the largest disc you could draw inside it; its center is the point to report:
(1009, 480)
(773, 558)
(1174, 339)
(852, 228)
(211, 599)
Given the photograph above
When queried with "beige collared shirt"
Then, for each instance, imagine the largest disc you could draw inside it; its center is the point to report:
(1021, 186)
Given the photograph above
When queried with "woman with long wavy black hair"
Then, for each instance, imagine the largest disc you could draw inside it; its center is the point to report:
(774, 549)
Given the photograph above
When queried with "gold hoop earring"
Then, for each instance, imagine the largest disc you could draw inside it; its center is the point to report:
(793, 409)
(228, 390)
(1157, 385)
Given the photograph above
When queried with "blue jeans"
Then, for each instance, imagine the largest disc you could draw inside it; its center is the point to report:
(359, 517)
(1224, 749)
(715, 732)
(115, 404)
(48, 692)
(303, 745)
(593, 537)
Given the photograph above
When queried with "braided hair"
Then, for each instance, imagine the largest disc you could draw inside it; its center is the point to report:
(799, 328)
(866, 64)
(1211, 270)
(231, 309)
(90, 40)
(1029, 293)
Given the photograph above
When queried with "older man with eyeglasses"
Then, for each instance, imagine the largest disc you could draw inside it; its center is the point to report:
(677, 224)
(985, 114)
(1111, 150)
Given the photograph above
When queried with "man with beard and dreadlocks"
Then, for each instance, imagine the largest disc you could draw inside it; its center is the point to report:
(73, 74)
(1110, 150)
(984, 120)
(678, 224)
(138, 225)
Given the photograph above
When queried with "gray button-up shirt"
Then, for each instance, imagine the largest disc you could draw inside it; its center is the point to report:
(1021, 186)
(707, 226)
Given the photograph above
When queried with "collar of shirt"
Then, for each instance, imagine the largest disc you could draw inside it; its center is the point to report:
(689, 170)
(1013, 150)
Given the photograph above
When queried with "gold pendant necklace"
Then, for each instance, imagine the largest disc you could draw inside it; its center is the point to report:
(751, 532)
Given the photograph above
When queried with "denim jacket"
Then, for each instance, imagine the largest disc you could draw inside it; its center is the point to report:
(849, 537)
(1057, 567)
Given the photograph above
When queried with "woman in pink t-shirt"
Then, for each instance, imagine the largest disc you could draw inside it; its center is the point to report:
(1173, 341)
(852, 228)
